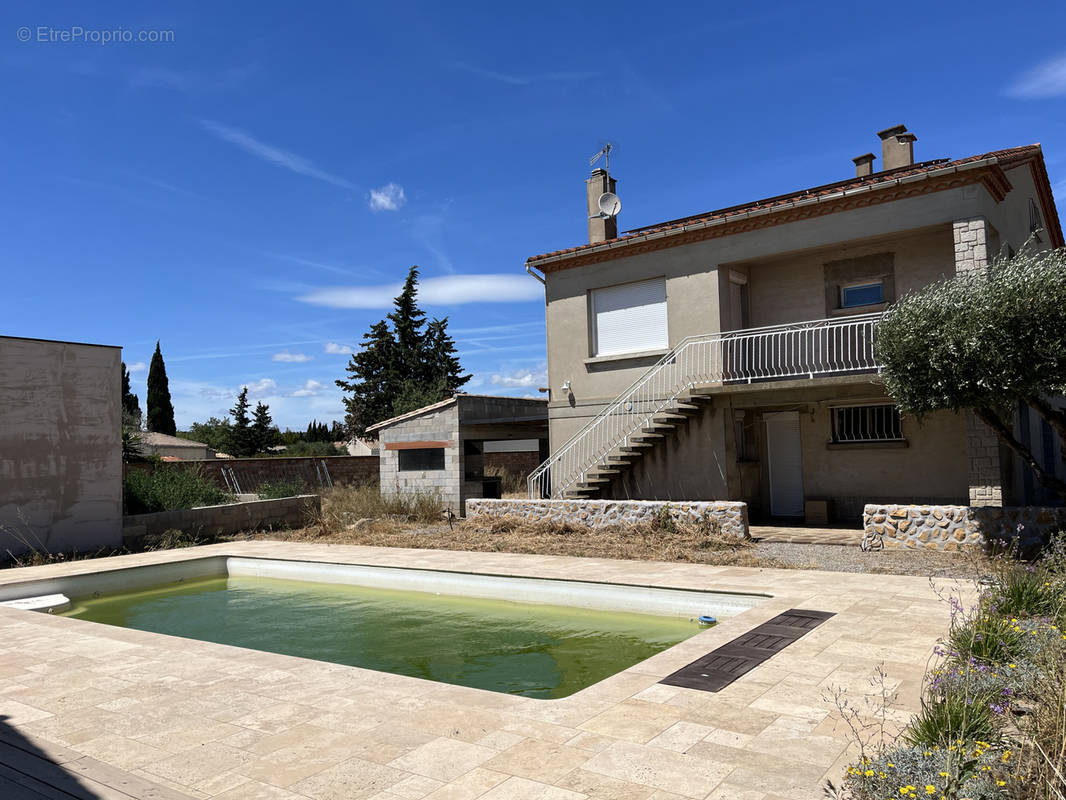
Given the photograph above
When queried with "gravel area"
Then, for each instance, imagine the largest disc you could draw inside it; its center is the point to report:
(838, 558)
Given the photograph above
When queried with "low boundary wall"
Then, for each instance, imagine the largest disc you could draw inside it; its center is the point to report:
(252, 472)
(949, 527)
(732, 516)
(285, 512)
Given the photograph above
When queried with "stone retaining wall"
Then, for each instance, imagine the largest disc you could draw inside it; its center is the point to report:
(285, 512)
(732, 516)
(948, 527)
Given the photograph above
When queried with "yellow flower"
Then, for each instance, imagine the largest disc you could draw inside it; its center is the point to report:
(869, 773)
(943, 774)
(930, 789)
(1001, 783)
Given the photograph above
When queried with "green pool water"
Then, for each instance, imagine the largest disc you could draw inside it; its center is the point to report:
(532, 650)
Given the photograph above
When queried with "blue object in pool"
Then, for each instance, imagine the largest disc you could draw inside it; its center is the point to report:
(706, 619)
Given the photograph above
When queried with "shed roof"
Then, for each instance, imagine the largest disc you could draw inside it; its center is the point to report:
(450, 402)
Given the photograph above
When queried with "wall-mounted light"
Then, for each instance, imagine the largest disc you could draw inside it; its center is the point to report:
(565, 388)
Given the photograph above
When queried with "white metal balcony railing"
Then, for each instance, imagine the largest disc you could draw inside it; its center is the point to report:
(803, 349)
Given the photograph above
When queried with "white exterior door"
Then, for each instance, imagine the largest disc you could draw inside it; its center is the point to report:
(785, 463)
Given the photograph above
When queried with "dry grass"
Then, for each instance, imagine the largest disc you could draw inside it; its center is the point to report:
(418, 522)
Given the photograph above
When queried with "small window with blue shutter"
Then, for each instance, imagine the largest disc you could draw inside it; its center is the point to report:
(863, 294)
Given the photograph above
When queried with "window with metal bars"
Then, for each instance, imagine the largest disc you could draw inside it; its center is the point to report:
(855, 424)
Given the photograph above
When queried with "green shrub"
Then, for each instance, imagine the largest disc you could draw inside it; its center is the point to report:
(168, 488)
(274, 490)
(987, 638)
(960, 770)
(952, 717)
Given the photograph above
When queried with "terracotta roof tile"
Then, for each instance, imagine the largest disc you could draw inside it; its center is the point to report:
(1005, 158)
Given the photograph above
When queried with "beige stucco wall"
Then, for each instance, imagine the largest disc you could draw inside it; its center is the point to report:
(184, 453)
(787, 283)
(699, 460)
(60, 446)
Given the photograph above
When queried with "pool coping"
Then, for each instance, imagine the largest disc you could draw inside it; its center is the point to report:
(141, 701)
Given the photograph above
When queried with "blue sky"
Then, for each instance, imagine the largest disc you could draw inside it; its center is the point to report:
(252, 191)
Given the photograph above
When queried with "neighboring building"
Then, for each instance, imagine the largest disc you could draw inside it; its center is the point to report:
(357, 447)
(761, 317)
(173, 448)
(440, 448)
(60, 446)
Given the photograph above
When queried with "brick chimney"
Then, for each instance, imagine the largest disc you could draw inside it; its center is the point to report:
(864, 165)
(897, 147)
(600, 229)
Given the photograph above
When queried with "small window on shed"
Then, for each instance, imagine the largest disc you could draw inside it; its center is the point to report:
(863, 294)
(421, 459)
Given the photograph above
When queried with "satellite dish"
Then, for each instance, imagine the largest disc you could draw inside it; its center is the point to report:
(609, 204)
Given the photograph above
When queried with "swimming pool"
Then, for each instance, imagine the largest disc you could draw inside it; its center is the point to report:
(524, 636)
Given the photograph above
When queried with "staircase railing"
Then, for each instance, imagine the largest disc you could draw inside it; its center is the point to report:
(803, 349)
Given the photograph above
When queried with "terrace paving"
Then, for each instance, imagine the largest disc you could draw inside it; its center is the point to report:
(128, 714)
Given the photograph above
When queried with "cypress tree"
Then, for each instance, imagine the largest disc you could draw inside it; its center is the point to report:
(240, 437)
(131, 405)
(160, 409)
(264, 434)
(398, 369)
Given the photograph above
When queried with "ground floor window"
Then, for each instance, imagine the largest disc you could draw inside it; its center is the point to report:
(421, 459)
(867, 423)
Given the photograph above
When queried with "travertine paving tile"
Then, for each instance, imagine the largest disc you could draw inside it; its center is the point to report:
(538, 760)
(214, 721)
(444, 759)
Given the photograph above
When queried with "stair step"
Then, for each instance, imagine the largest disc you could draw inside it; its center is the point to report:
(604, 471)
(685, 407)
(652, 427)
(593, 481)
(647, 435)
(666, 416)
(638, 445)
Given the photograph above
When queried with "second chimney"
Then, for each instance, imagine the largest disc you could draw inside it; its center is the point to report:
(897, 147)
(864, 165)
(600, 229)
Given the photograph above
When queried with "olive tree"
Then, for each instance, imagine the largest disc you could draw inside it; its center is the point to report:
(984, 343)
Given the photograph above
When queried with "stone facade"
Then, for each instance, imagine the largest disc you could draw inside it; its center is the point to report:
(948, 527)
(440, 427)
(732, 516)
(285, 512)
(971, 245)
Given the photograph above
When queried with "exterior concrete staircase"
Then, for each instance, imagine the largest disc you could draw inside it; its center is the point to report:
(662, 401)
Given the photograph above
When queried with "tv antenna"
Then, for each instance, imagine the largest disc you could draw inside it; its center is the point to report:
(605, 154)
(608, 203)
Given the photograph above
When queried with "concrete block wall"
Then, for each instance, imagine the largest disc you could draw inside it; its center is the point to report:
(285, 512)
(732, 516)
(435, 426)
(60, 446)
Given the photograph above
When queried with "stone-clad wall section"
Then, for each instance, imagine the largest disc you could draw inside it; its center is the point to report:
(949, 527)
(732, 516)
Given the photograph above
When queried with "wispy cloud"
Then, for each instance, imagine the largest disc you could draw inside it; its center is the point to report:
(338, 349)
(307, 262)
(263, 387)
(139, 366)
(389, 197)
(273, 155)
(512, 79)
(309, 389)
(291, 358)
(448, 290)
(1042, 81)
(522, 378)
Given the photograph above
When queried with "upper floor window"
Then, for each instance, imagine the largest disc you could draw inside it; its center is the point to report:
(863, 294)
(629, 318)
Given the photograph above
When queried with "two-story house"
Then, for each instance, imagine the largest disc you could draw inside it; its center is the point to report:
(729, 355)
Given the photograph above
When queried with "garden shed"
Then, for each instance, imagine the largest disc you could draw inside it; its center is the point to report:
(440, 448)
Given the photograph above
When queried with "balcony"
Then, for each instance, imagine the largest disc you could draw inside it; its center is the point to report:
(802, 350)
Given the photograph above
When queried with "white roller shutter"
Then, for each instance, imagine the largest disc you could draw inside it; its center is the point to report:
(630, 318)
